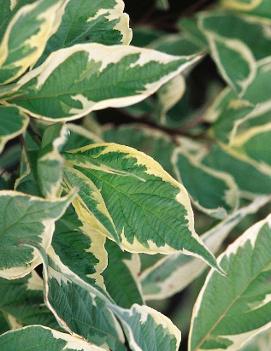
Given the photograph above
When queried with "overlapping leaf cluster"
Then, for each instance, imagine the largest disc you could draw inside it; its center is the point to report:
(87, 201)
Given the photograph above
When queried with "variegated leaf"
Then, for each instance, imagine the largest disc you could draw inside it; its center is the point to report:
(261, 342)
(8, 10)
(50, 162)
(225, 159)
(230, 310)
(26, 36)
(258, 92)
(173, 274)
(153, 142)
(87, 254)
(254, 143)
(23, 304)
(37, 338)
(232, 56)
(148, 329)
(76, 314)
(212, 192)
(91, 21)
(128, 197)
(13, 122)
(257, 8)
(169, 95)
(87, 315)
(24, 220)
(231, 26)
(80, 248)
(225, 114)
(87, 77)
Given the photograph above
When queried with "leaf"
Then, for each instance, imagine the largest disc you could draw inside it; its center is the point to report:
(211, 191)
(80, 248)
(148, 329)
(257, 93)
(79, 307)
(22, 302)
(87, 255)
(259, 343)
(175, 44)
(97, 262)
(233, 58)
(24, 220)
(146, 320)
(36, 338)
(229, 25)
(230, 310)
(93, 21)
(8, 9)
(257, 8)
(13, 122)
(50, 162)
(225, 159)
(162, 4)
(4, 326)
(125, 290)
(153, 142)
(79, 136)
(172, 274)
(169, 95)
(254, 144)
(27, 35)
(87, 77)
(128, 197)
(225, 114)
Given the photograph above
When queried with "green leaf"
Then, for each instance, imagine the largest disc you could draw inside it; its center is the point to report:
(125, 289)
(79, 136)
(173, 274)
(258, 93)
(79, 315)
(22, 302)
(128, 197)
(231, 26)
(153, 142)
(211, 191)
(148, 329)
(225, 114)
(257, 8)
(80, 248)
(254, 144)
(225, 159)
(26, 36)
(25, 220)
(87, 77)
(36, 338)
(8, 9)
(175, 44)
(232, 56)
(13, 122)
(87, 255)
(4, 325)
(232, 309)
(79, 307)
(93, 21)
(50, 162)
